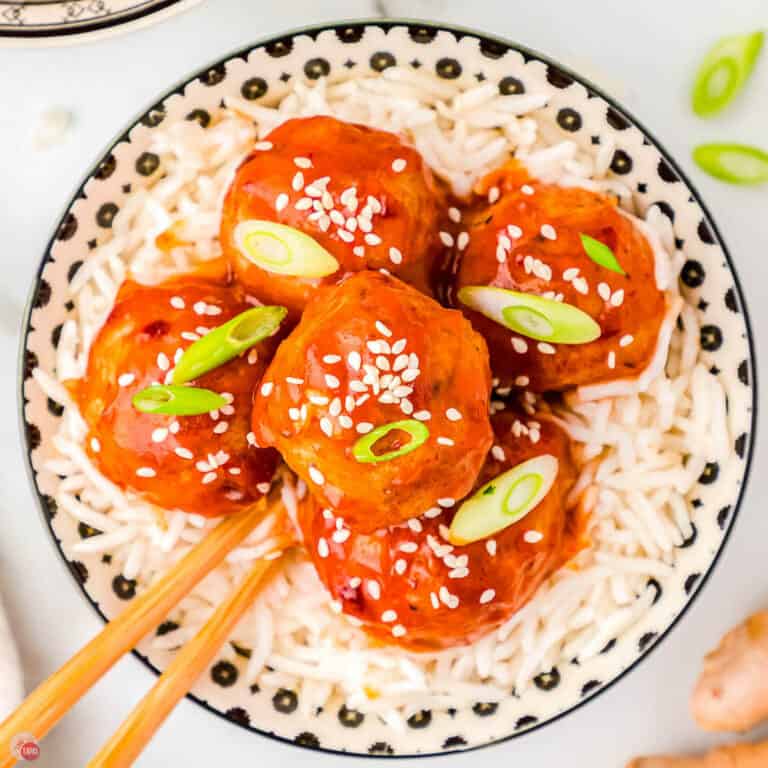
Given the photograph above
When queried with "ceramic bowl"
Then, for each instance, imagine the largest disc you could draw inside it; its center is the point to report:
(584, 114)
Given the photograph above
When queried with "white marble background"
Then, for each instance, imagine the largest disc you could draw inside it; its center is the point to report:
(641, 52)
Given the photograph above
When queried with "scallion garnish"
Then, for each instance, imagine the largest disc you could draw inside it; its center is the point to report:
(532, 316)
(504, 500)
(283, 250)
(600, 253)
(734, 163)
(227, 341)
(177, 401)
(363, 448)
(725, 69)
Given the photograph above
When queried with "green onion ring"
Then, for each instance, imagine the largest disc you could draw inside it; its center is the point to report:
(363, 448)
(724, 71)
(503, 501)
(177, 401)
(227, 342)
(530, 315)
(283, 250)
(600, 253)
(734, 163)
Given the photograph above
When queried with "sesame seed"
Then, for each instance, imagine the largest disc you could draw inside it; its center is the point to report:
(400, 566)
(433, 599)
(458, 573)
(490, 547)
(126, 379)
(183, 453)
(422, 415)
(322, 548)
(324, 223)
(611, 359)
(454, 214)
(316, 475)
(372, 239)
(545, 349)
(462, 241)
(163, 363)
(570, 273)
(533, 537)
(374, 589)
(501, 254)
(411, 374)
(303, 204)
(298, 181)
(382, 329)
(453, 415)
(351, 224)
(316, 399)
(251, 439)
(395, 256)
(415, 525)
(341, 536)
(354, 360)
(580, 285)
(364, 224)
(433, 512)
(446, 502)
(548, 232)
(526, 189)
(189, 336)
(398, 630)
(159, 434)
(177, 302)
(326, 426)
(357, 386)
(514, 231)
(487, 596)
(522, 381)
(625, 341)
(364, 427)
(402, 391)
(604, 291)
(331, 381)
(209, 477)
(221, 427)
(281, 203)
(345, 421)
(337, 218)
(447, 239)
(263, 146)
(335, 407)
(617, 299)
(498, 453)
(493, 195)
(95, 444)
(294, 414)
(302, 162)
(519, 345)
(406, 406)
(294, 380)
(331, 359)
(445, 441)
(398, 346)
(346, 236)
(146, 472)
(174, 427)
(199, 309)
(355, 582)
(398, 165)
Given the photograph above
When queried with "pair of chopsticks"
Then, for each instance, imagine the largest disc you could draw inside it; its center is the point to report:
(50, 701)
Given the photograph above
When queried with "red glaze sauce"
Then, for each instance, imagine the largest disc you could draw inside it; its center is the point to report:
(377, 165)
(147, 323)
(629, 309)
(369, 352)
(395, 581)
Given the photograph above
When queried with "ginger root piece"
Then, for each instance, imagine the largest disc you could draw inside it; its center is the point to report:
(732, 691)
(733, 756)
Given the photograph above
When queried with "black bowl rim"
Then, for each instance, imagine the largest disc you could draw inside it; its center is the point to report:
(459, 32)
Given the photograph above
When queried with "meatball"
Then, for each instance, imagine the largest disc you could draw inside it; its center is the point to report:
(202, 464)
(364, 195)
(408, 585)
(529, 241)
(373, 355)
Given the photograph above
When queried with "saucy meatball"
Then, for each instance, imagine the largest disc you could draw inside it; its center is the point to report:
(379, 400)
(529, 240)
(409, 586)
(202, 464)
(362, 194)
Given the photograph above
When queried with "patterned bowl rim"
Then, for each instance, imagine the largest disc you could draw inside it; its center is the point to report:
(459, 32)
(141, 13)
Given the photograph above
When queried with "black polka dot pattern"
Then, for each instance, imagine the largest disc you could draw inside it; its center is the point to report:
(690, 540)
(525, 722)
(485, 708)
(30, 363)
(307, 739)
(710, 473)
(33, 436)
(616, 120)
(382, 60)
(124, 588)
(492, 49)
(279, 48)
(56, 335)
(201, 116)
(621, 162)
(454, 741)
(646, 640)
(154, 117)
(147, 163)
(254, 88)
(106, 168)
(285, 701)
(569, 119)
(448, 69)
(666, 172)
(106, 214)
(691, 582)
(510, 86)
(731, 302)
(588, 687)
(380, 748)
(314, 69)
(692, 274)
(238, 715)
(558, 78)
(740, 445)
(743, 372)
(666, 209)
(67, 228)
(722, 517)
(350, 34)
(79, 571)
(166, 627)
(42, 294)
(422, 35)
(86, 531)
(547, 681)
(705, 233)
(711, 338)
(608, 647)
(214, 75)
(654, 585)
(49, 505)
(224, 673)
(420, 719)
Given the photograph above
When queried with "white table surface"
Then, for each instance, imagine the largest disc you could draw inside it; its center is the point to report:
(643, 53)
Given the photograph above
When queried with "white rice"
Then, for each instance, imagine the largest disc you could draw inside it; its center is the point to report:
(642, 451)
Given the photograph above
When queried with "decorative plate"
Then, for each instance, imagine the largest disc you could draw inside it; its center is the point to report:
(49, 22)
(709, 284)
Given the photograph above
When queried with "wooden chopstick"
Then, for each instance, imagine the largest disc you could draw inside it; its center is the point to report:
(47, 704)
(180, 675)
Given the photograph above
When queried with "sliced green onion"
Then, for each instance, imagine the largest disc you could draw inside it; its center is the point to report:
(363, 448)
(734, 163)
(177, 401)
(504, 500)
(227, 342)
(724, 71)
(530, 315)
(283, 250)
(600, 253)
